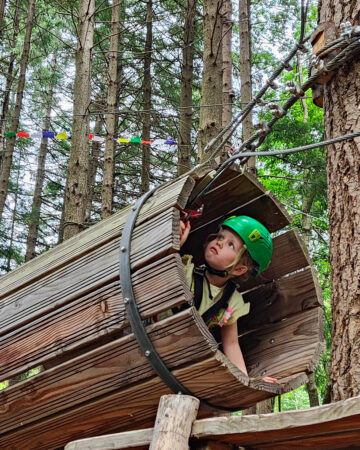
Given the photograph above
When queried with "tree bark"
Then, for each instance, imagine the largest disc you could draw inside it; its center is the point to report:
(40, 177)
(228, 93)
(145, 168)
(10, 141)
(185, 114)
(211, 91)
(341, 116)
(76, 189)
(2, 9)
(245, 73)
(111, 118)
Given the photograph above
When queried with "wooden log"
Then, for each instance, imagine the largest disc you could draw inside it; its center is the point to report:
(285, 348)
(174, 419)
(158, 286)
(133, 406)
(279, 299)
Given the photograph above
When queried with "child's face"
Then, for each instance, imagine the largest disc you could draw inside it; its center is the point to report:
(222, 252)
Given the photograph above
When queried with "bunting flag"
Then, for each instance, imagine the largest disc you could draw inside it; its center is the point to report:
(62, 136)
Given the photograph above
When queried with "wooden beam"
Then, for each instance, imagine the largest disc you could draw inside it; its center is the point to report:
(174, 419)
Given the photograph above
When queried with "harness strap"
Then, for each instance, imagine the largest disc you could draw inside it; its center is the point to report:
(222, 303)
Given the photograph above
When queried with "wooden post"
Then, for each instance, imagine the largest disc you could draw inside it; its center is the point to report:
(174, 419)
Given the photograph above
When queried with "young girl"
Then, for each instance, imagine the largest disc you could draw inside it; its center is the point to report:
(242, 245)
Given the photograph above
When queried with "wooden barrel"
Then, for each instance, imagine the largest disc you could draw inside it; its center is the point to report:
(64, 310)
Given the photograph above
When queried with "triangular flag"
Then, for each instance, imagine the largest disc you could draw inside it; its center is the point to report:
(22, 134)
(91, 137)
(119, 140)
(170, 142)
(135, 140)
(48, 134)
(62, 136)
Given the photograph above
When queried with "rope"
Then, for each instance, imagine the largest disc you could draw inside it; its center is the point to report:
(248, 154)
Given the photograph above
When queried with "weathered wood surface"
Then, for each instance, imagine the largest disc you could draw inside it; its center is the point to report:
(174, 419)
(281, 298)
(285, 348)
(158, 286)
(329, 426)
(104, 370)
(151, 240)
(173, 194)
(134, 406)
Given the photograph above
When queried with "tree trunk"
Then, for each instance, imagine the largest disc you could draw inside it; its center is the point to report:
(185, 114)
(245, 72)
(211, 91)
(228, 93)
(2, 9)
(94, 163)
(341, 116)
(10, 141)
(111, 118)
(9, 77)
(76, 189)
(40, 177)
(145, 168)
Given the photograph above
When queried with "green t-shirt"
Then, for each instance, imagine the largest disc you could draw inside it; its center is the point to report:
(236, 306)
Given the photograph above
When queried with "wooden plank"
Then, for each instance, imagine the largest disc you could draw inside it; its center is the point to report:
(128, 439)
(180, 339)
(336, 425)
(159, 286)
(170, 195)
(290, 254)
(151, 240)
(285, 348)
(329, 426)
(131, 407)
(282, 298)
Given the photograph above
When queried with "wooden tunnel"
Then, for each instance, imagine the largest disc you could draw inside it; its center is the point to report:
(64, 310)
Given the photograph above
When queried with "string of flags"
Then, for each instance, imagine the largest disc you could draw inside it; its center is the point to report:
(62, 136)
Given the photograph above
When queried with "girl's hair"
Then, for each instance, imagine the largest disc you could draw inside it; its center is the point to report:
(243, 255)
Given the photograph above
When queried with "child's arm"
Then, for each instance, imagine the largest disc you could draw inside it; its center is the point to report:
(231, 347)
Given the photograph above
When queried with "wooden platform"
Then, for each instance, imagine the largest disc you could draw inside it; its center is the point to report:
(64, 310)
(334, 426)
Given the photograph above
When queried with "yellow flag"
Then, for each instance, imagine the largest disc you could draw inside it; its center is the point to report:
(123, 140)
(61, 136)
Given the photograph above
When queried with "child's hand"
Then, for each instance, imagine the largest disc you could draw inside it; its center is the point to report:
(270, 380)
(185, 228)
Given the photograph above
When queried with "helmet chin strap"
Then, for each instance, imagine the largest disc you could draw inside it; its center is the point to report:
(219, 273)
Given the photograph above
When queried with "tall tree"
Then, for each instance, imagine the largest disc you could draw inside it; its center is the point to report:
(211, 91)
(145, 167)
(228, 93)
(10, 142)
(76, 189)
(341, 115)
(245, 72)
(111, 117)
(185, 114)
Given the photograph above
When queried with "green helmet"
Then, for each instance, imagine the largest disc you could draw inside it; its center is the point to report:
(255, 236)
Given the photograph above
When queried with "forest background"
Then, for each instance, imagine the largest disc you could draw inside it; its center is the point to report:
(80, 78)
